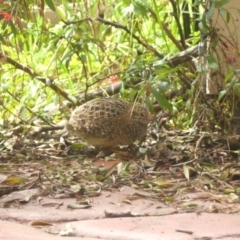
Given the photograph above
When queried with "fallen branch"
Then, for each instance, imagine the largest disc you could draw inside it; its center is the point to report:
(115, 88)
(112, 89)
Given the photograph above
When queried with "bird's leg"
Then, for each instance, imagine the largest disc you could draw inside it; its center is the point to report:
(120, 152)
(103, 152)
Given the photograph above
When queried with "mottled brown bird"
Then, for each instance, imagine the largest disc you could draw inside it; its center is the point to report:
(108, 122)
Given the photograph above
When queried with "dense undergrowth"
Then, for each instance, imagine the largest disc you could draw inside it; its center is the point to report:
(55, 54)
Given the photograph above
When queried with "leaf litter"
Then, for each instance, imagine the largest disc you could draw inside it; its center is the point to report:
(179, 169)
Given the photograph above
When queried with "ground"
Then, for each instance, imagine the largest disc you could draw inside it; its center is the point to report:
(182, 186)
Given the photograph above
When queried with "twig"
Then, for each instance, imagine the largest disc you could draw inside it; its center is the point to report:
(184, 163)
(173, 39)
(117, 25)
(178, 45)
(45, 80)
(114, 88)
(184, 231)
(176, 16)
(108, 90)
(198, 144)
(29, 109)
(176, 60)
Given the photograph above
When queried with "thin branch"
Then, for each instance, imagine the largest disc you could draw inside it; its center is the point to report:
(45, 80)
(178, 45)
(29, 109)
(171, 37)
(177, 18)
(184, 56)
(117, 25)
(114, 88)
(108, 90)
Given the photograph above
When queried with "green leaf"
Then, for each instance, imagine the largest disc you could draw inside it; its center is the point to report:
(1, 38)
(222, 94)
(228, 77)
(144, 7)
(210, 12)
(236, 90)
(220, 3)
(13, 28)
(163, 86)
(163, 102)
(228, 17)
(3, 6)
(149, 104)
(204, 23)
(212, 62)
(61, 13)
(222, 11)
(50, 5)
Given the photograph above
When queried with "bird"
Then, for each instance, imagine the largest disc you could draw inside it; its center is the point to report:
(109, 122)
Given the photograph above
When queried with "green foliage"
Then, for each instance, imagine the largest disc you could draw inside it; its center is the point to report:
(78, 46)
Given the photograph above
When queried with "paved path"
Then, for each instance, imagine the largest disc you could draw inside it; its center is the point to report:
(139, 219)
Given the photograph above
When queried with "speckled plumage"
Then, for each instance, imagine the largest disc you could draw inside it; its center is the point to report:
(108, 122)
